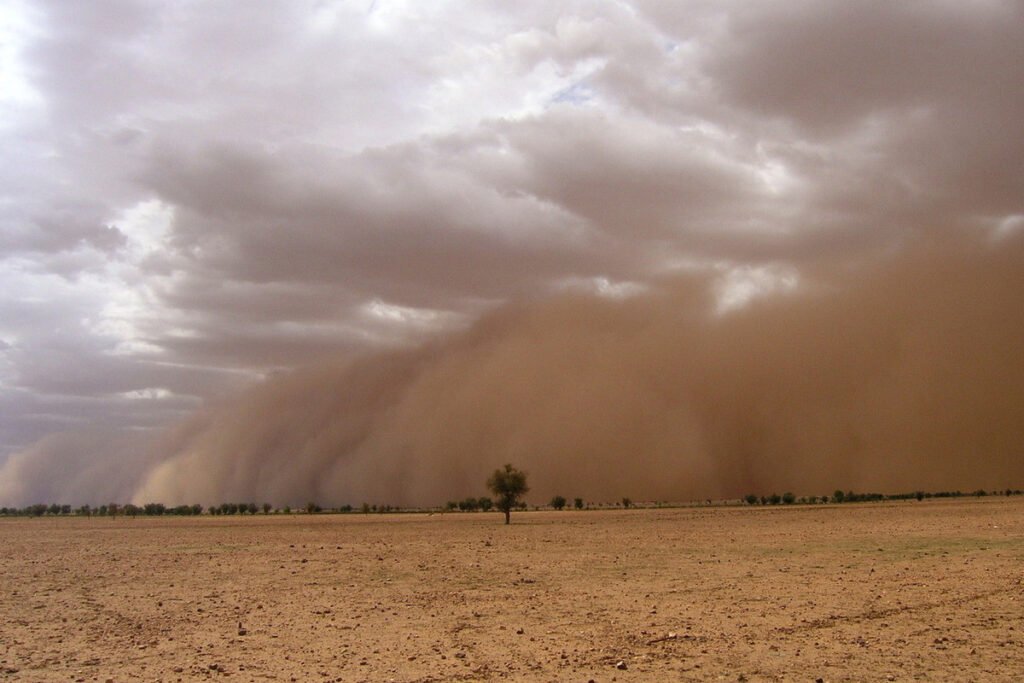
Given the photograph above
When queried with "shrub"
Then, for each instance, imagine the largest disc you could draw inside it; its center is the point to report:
(558, 502)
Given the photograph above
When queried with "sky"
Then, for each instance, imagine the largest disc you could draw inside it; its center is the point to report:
(347, 250)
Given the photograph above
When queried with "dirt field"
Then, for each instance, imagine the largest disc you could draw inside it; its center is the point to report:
(907, 591)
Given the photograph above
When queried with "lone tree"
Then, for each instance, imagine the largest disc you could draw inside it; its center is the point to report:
(507, 484)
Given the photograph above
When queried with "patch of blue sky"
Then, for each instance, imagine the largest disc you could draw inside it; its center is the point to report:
(578, 93)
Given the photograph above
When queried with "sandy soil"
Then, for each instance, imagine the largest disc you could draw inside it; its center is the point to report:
(907, 591)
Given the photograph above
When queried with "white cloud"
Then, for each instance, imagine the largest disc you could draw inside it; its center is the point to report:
(18, 96)
(741, 285)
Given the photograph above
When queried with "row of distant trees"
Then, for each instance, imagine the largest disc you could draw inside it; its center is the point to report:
(108, 510)
(840, 496)
(159, 509)
(484, 504)
(557, 503)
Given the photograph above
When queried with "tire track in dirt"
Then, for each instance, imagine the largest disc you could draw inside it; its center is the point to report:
(870, 615)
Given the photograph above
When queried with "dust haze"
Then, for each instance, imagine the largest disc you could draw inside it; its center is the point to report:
(897, 374)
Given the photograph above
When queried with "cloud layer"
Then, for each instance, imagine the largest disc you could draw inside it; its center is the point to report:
(196, 199)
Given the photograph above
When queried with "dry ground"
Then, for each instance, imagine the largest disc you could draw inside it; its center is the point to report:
(905, 591)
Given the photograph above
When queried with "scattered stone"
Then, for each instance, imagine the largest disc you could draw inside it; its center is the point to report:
(621, 665)
(519, 631)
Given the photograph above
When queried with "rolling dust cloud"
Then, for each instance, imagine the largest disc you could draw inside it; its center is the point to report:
(902, 372)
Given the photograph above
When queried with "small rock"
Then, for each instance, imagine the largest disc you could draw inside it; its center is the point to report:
(519, 631)
(621, 665)
(242, 631)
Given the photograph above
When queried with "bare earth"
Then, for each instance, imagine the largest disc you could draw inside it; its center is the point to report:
(903, 591)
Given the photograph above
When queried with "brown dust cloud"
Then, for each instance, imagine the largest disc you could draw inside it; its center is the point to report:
(902, 372)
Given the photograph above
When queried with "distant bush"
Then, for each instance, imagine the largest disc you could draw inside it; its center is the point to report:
(788, 498)
(558, 502)
(577, 503)
(751, 499)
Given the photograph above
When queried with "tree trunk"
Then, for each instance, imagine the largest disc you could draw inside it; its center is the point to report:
(508, 516)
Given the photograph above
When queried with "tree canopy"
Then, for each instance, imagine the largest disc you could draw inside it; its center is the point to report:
(508, 485)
